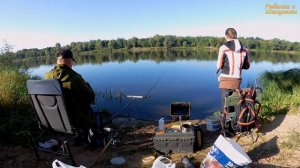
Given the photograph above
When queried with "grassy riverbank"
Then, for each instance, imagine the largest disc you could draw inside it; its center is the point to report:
(281, 92)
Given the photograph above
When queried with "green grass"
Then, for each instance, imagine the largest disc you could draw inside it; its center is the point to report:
(281, 92)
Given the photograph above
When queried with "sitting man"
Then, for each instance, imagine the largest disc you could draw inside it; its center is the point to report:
(78, 94)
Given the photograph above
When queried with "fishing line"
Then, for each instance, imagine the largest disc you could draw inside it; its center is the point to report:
(149, 91)
(147, 94)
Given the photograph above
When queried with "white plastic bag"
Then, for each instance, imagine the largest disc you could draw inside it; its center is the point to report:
(163, 162)
(225, 153)
(58, 164)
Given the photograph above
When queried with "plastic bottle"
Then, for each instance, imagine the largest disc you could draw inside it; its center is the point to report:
(161, 124)
(163, 162)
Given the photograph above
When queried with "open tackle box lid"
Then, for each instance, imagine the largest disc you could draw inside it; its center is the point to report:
(180, 109)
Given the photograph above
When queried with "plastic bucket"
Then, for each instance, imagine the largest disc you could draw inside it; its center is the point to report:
(213, 123)
(226, 153)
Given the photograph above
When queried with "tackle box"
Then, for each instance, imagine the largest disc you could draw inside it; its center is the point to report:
(172, 142)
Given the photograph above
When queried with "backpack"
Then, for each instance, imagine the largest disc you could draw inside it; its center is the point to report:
(248, 109)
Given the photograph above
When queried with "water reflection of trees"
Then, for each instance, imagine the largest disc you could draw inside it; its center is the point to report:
(275, 57)
(155, 55)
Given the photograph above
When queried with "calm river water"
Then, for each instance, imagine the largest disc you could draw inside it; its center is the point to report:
(165, 77)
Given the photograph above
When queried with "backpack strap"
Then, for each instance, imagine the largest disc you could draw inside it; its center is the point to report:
(251, 119)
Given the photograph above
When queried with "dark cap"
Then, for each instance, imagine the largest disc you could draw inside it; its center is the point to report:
(65, 53)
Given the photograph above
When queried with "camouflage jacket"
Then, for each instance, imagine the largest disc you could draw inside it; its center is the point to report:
(78, 95)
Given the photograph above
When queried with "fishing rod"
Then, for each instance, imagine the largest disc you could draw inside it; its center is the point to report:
(134, 97)
(147, 94)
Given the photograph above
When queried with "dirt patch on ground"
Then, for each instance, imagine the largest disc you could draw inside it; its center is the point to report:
(271, 148)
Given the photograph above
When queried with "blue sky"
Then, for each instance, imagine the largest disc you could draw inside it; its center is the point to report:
(38, 24)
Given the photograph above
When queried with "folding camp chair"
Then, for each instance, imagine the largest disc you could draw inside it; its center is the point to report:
(51, 112)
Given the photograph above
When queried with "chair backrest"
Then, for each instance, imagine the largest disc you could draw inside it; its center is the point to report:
(48, 102)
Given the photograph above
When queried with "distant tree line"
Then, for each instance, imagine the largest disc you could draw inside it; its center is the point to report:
(159, 41)
(98, 57)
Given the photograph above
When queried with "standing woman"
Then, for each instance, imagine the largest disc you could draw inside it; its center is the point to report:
(232, 59)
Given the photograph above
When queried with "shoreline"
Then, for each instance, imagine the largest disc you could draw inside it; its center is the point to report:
(268, 150)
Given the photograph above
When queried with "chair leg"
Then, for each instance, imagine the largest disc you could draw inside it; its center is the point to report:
(67, 147)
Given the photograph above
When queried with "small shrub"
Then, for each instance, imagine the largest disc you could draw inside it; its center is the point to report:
(15, 107)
